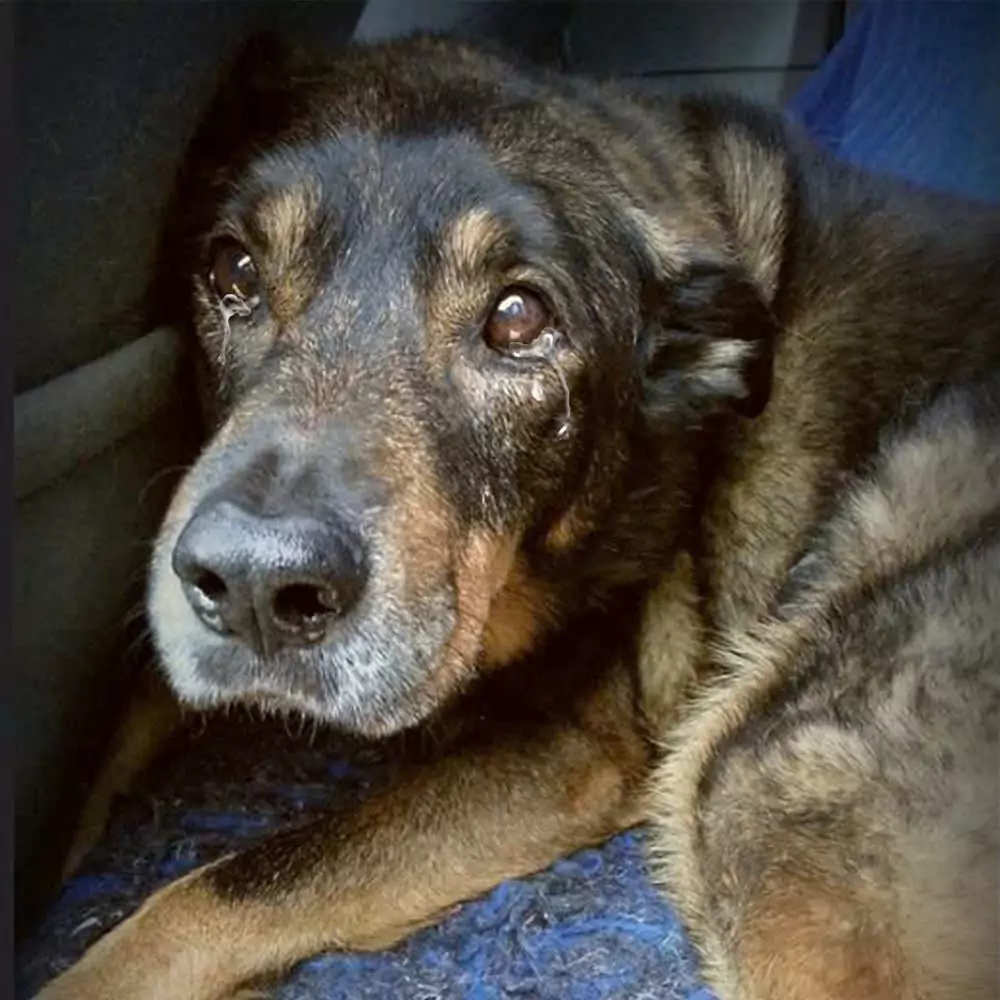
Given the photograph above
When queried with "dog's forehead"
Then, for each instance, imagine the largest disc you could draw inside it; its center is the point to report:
(405, 210)
(357, 177)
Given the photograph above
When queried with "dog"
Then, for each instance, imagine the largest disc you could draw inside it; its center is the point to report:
(631, 451)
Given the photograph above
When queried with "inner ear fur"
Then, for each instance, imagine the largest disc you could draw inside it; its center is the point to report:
(707, 343)
(709, 336)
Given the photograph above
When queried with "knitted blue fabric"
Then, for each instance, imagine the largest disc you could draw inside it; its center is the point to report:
(590, 927)
(912, 90)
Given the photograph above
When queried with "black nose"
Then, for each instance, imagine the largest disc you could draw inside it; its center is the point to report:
(271, 581)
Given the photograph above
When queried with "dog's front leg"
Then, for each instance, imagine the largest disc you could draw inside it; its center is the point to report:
(363, 880)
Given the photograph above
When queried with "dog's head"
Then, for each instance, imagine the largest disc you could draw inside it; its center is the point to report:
(461, 325)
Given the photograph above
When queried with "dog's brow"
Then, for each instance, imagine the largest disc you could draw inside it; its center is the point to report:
(474, 237)
(285, 218)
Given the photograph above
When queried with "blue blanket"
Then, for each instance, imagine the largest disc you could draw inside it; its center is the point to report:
(589, 928)
(912, 89)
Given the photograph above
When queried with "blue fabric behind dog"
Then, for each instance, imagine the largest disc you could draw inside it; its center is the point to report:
(912, 89)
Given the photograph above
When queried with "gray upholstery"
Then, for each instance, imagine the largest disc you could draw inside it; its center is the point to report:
(105, 96)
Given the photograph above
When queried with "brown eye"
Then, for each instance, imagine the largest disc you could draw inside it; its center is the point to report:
(233, 271)
(517, 319)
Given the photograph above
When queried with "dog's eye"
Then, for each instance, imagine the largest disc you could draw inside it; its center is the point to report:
(518, 319)
(233, 271)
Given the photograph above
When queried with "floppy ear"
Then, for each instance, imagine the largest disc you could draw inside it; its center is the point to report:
(708, 342)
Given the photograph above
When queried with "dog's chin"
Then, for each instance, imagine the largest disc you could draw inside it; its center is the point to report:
(376, 694)
(349, 720)
(373, 708)
(377, 714)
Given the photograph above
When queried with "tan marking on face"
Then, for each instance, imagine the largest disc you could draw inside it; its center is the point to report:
(482, 567)
(286, 219)
(471, 238)
(500, 608)
(418, 528)
(518, 616)
(501, 612)
(462, 282)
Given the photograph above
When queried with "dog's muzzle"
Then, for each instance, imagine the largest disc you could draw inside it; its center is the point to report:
(271, 582)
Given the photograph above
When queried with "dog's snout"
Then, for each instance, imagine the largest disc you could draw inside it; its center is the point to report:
(271, 581)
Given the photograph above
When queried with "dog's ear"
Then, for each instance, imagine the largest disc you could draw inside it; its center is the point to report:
(707, 342)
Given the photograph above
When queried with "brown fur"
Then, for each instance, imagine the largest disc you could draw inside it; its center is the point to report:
(742, 320)
(830, 817)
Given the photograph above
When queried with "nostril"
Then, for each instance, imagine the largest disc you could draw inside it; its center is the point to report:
(302, 605)
(209, 596)
(211, 586)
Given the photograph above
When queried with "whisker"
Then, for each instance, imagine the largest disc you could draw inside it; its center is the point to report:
(158, 476)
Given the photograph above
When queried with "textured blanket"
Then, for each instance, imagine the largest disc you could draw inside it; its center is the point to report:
(589, 928)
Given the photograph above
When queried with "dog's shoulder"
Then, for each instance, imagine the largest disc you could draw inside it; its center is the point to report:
(842, 768)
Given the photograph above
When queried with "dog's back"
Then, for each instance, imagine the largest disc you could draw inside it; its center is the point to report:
(829, 824)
